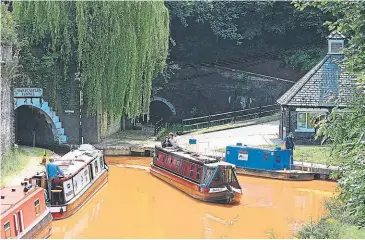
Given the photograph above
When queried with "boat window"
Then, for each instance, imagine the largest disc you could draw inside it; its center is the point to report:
(101, 160)
(266, 156)
(7, 230)
(198, 173)
(277, 159)
(96, 167)
(178, 162)
(217, 180)
(192, 166)
(208, 175)
(234, 183)
(37, 207)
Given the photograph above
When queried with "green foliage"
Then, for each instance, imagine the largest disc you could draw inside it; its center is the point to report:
(208, 31)
(16, 159)
(8, 33)
(304, 60)
(117, 46)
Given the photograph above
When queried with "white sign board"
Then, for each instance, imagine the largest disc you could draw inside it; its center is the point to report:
(28, 92)
(68, 189)
(243, 155)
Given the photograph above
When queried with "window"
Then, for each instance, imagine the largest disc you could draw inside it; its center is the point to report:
(7, 230)
(101, 160)
(335, 46)
(198, 173)
(37, 207)
(306, 121)
(178, 162)
(96, 167)
(192, 166)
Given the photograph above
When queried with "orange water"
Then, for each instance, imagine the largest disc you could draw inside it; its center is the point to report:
(135, 204)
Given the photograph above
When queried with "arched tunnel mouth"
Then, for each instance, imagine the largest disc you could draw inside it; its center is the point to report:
(158, 110)
(33, 127)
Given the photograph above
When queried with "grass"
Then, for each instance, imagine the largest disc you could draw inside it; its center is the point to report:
(312, 154)
(16, 159)
(330, 229)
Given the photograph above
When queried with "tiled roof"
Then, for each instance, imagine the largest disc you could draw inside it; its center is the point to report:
(323, 85)
(336, 35)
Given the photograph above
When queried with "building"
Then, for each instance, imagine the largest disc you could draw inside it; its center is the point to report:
(314, 96)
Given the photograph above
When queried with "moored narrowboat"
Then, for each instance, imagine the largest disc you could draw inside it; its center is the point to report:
(268, 163)
(85, 173)
(24, 213)
(204, 178)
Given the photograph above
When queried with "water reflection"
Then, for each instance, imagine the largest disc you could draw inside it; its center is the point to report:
(134, 204)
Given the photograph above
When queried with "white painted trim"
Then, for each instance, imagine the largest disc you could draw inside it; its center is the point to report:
(39, 218)
(309, 130)
(16, 224)
(215, 190)
(80, 193)
(57, 209)
(22, 220)
(236, 190)
(312, 110)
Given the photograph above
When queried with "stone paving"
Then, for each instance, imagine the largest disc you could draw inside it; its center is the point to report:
(254, 135)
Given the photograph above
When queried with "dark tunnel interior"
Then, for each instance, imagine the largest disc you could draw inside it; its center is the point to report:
(32, 128)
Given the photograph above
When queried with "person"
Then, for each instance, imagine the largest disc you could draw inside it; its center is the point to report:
(44, 159)
(166, 142)
(289, 142)
(172, 140)
(53, 171)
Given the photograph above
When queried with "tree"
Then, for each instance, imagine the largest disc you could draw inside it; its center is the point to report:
(118, 47)
(208, 31)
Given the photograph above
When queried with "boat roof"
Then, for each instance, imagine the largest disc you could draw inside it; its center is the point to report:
(75, 160)
(220, 163)
(266, 148)
(12, 195)
(195, 157)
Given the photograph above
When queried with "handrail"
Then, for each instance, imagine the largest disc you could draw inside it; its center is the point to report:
(229, 117)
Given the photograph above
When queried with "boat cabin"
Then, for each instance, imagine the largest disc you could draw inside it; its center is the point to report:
(259, 158)
(206, 171)
(81, 167)
(24, 213)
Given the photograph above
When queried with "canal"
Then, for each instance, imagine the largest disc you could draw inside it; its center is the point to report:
(134, 204)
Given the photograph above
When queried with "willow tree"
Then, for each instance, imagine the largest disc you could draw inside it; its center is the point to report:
(118, 46)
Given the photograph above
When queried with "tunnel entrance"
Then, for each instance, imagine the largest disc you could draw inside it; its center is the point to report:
(158, 110)
(33, 127)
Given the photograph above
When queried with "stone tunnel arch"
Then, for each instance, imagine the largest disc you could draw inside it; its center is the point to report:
(48, 127)
(34, 124)
(161, 108)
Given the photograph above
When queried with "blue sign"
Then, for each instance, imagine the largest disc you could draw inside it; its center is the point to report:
(192, 141)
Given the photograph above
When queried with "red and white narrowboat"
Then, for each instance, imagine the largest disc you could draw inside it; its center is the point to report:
(24, 213)
(199, 176)
(85, 173)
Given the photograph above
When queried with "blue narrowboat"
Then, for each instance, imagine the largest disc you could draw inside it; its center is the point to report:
(270, 163)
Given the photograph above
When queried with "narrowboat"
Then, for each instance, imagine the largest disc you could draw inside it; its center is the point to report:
(268, 163)
(24, 213)
(85, 173)
(204, 178)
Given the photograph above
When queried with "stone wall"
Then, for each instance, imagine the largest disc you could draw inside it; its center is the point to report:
(202, 90)
(6, 105)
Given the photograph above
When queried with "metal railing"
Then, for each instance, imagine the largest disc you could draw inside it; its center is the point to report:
(158, 126)
(228, 117)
